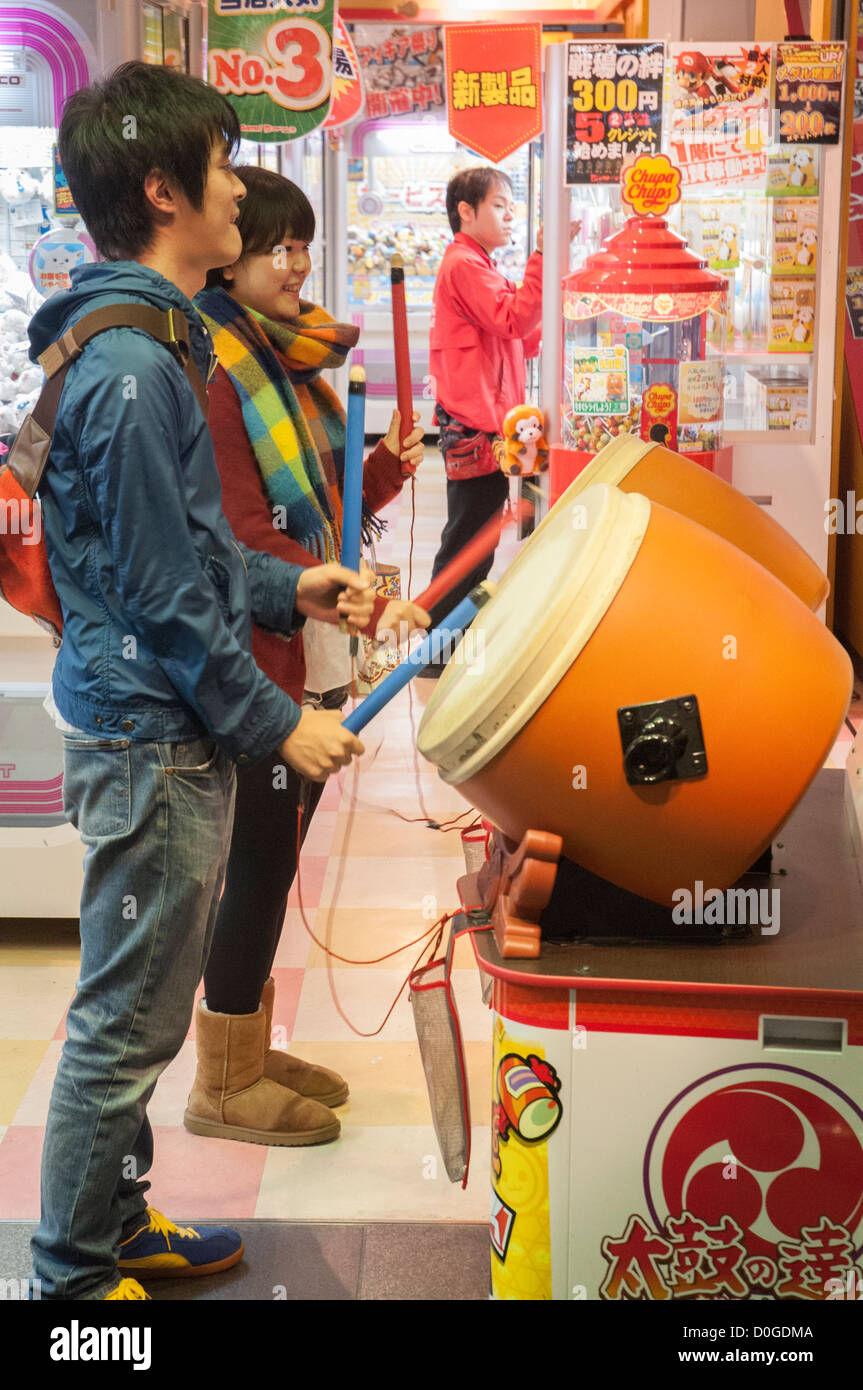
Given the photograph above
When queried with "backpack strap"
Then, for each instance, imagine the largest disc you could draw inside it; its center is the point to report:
(29, 453)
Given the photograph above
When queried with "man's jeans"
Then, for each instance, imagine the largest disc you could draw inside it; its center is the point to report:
(156, 819)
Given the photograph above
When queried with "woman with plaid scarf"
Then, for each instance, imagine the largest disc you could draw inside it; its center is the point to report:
(279, 436)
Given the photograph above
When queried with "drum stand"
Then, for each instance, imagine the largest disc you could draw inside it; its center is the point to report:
(529, 893)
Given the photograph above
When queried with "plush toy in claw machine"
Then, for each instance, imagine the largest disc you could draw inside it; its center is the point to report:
(644, 337)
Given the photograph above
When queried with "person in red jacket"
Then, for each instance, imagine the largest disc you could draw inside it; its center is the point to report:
(483, 327)
(279, 435)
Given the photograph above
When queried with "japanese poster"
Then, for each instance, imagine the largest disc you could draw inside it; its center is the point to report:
(600, 381)
(613, 107)
(723, 160)
(494, 86)
(719, 90)
(712, 226)
(347, 102)
(854, 299)
(402, 69)
(793, 173)
(272, 59)
(809, 92)
(795, 237)
(791, 323)
(700, 406)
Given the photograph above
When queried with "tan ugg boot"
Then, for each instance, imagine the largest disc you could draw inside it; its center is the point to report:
(232, 1099)
(316, 1083)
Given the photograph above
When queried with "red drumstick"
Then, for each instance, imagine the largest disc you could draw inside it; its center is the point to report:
(404, 393)
(467, 559)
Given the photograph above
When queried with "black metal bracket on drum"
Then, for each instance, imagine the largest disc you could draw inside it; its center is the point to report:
(662, 741)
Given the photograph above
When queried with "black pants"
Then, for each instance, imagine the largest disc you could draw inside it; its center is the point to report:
(470, 503)
(261, 868)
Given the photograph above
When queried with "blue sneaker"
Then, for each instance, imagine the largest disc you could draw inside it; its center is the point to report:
(161, 1250)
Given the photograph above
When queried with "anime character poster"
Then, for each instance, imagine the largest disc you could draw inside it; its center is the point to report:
(720, 89)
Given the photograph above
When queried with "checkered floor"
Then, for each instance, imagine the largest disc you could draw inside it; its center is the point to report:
(370, 881)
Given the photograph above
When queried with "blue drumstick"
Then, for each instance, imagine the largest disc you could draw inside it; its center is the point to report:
(352, 513)
(431, 646)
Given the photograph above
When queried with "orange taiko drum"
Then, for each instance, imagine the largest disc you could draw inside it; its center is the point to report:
(675, 481)
(645, 690)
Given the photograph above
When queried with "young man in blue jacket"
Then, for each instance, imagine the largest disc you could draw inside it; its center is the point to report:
(155, 687)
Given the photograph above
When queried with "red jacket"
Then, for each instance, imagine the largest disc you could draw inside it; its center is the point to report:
(250, 516)
(482, 329)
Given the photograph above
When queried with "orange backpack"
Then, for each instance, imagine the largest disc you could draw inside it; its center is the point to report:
(25, 578)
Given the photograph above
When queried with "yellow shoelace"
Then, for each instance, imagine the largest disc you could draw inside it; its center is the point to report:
(163, 1227)
(127, 1288)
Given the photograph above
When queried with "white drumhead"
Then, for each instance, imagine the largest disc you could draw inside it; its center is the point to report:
(522, 642)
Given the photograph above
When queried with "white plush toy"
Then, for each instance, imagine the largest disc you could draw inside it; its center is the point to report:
(30, 381)
(13, 324)
(17, 188)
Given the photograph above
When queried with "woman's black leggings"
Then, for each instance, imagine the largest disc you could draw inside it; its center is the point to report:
(261, 868)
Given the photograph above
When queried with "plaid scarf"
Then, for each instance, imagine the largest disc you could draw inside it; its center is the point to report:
(294, 421)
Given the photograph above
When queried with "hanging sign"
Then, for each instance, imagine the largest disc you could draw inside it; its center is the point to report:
(651, 185)
(809, 92)
(56, 254)
(494, 86)
(613, 107)
(402, 69)
(347, 100)
(272, 59)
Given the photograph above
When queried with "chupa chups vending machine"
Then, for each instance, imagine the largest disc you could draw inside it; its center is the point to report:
(643, 339)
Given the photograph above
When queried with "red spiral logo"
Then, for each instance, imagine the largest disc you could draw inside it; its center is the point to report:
(774, 1155)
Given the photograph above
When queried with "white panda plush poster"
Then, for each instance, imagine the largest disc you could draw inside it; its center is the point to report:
(55, 255)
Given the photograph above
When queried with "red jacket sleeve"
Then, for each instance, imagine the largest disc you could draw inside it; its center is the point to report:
(484, 297)
(244, 500)
(382, 478)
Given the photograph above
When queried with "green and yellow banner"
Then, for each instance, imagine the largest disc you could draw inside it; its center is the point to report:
(273, 60)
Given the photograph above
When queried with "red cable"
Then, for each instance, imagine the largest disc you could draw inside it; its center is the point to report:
(436, 930)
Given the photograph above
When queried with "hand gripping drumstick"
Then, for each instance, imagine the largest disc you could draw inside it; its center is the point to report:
(455, 622)
(404, 394)
(352, 508)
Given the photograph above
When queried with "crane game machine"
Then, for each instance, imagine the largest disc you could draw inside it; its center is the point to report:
(644, 324)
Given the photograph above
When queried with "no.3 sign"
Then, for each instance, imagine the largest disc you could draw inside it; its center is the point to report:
(267, 67)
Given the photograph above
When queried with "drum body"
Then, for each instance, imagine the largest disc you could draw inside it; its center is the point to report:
(678, 482)
(623, 603)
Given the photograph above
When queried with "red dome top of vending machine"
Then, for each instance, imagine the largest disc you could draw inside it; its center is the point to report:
(644, 324)
(645, 265)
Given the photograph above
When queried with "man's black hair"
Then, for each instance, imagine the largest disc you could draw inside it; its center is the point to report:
(115, 133)
(273, 209)
(472, 186)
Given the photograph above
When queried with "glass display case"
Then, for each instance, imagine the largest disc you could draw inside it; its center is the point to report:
(766, 242)
(644, 332)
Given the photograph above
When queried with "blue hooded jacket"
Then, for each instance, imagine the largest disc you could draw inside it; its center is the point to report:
(157, 596)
